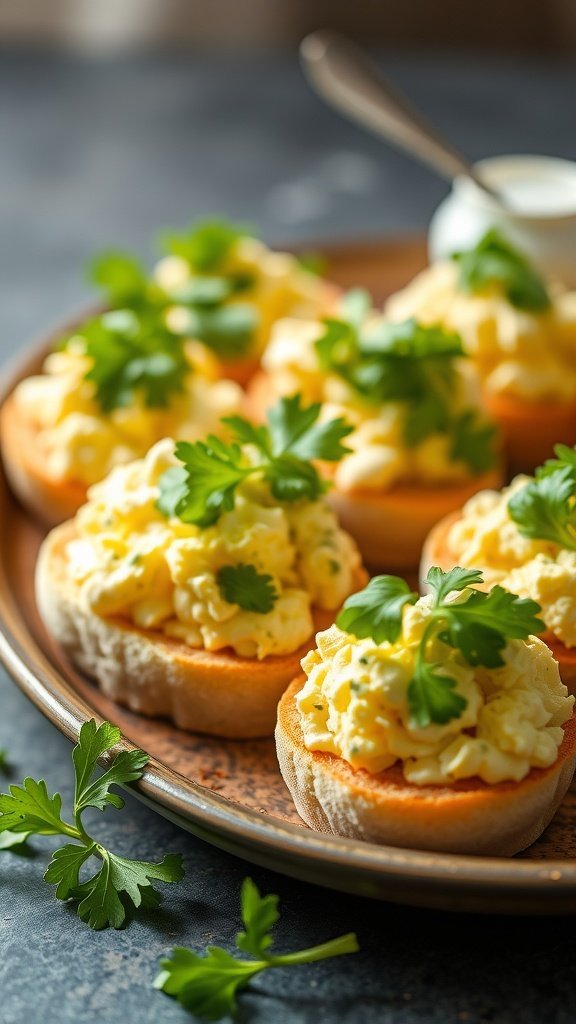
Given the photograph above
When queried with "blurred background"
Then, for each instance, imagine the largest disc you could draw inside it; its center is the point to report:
(120, 117)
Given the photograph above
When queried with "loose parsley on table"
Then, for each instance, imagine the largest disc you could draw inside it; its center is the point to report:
(408, 363)
(478, 625)
(545, 508)
(207, 985)
(205, 485)
(493, 260)
(119, 885)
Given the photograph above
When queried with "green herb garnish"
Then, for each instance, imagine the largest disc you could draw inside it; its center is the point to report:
(205, 485)
(205, 245)
(478, 625)
(241, 584)
(119, 885)
(207, 984)
(130, 353)
(124, 281)
(408, 363)
(494, 261)
(545, 509)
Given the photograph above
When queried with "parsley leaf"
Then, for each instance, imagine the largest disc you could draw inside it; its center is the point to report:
(409, 363)
(29, 809)
(208, 985)
(204, 487)
(493, 260)
(476, 623)
(241, 584)
(376, 611)
(122, 278)
(545, 509)
(205, 245)
(228, 330)
(130, 353)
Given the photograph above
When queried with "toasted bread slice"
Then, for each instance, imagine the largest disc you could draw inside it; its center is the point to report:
(50, 501)
(468, 817)
(390, 527)
(530, 429)
(218, 693)
(436, 551)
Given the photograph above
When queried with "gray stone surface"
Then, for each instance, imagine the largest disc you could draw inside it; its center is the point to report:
(103, 153)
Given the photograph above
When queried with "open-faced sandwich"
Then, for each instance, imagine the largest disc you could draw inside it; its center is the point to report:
(420, 446)
(193, 581)
(524, 538)
(519, 330)
(113, 388)
(438, 723)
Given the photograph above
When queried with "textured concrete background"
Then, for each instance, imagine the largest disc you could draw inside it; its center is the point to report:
(104, 153)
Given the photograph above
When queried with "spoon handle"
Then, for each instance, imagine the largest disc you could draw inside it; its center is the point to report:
(345, 76)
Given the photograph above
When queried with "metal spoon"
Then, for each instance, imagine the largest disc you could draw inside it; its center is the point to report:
(345, 76)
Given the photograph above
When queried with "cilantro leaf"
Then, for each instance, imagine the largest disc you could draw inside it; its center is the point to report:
(102, 899)
(122, 278)
(431, 696)
(205, 245)
(545, 509)
(204, 487)
(493, 260)
(130, 353)
(208, 985)
(443, 583)
(241, 584)
(376, 611)
(259, 915)
(30, 808)
(565, 459)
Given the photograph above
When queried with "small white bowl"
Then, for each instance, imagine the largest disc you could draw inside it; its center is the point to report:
(541, 219)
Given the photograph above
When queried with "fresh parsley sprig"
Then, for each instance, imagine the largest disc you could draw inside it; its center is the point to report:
(545, 508)
(478, 625)
(409, 363)
(205, 245)
(119, 884)
(207, 985)
(205, 485)
(243, 585)
(131, 353)
(493, 260)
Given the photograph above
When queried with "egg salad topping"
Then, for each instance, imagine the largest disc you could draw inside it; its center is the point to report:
(524, 537)
(198, 544)
(411, 397)
(81, 440)
(434, 699)
(522, 339)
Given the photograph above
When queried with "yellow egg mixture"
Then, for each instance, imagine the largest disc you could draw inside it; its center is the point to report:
(486, 537)
(130, 560)
(355, 704)
(529, 355)
(80, 442)
(279, 286)
(380, 456)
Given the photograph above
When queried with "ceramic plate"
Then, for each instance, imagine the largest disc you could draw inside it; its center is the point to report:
(231, 793)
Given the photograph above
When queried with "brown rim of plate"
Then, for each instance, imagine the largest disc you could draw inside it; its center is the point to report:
(441, 881)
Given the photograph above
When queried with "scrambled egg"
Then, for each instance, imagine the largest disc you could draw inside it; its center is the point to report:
(529, 355)
(380, 456)
(130, 560)
(80, 442)
(487, 538)
(355, 705)
(278, 285)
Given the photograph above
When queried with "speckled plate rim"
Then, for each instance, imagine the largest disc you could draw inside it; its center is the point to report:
(441, 881)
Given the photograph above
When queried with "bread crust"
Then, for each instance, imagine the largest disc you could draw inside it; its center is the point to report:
(217, 693)
(530, 429)
(437, 551)
(50, 501)
(469, 817)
